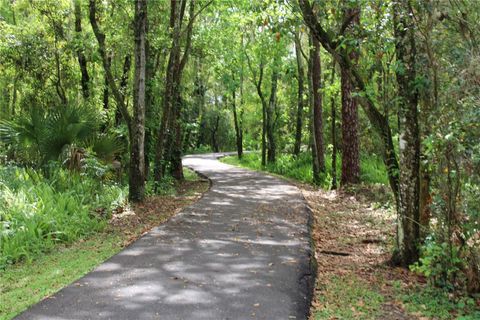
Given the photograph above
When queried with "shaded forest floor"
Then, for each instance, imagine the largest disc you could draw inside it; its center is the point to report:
(353, 233)
(26, 283)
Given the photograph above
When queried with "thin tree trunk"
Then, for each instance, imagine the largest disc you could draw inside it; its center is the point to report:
(334, 133)
(301, 87)
(123, 86)
(137, 157)
(313, 145)
(82, 61)
(14, 95)
(215, 147)
(270, 124)
(408, 230)
(106, 93)
(264, 115)
(238, 129)
(58, 83)
(317, 105)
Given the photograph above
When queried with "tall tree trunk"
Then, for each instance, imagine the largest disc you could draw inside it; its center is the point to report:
(242, 101)
(408, 233)
(106, 92)
(82, 61)
(334, 132)
(14, 94)
(137, 157)
(300, 99)
(350, 138)
(237, 125)
(270, 124)
(177, 151)
(168, 96)
(215, 147)
(258, 85)
(317, 105)
(123, 86)
(58, 82)
(313, 145)
(264, 130)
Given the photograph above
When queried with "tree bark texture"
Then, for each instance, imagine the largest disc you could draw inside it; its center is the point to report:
(300, 91)
(408, 233)
(350, 137)
(272, 105)
(317, 105)
(137, 147)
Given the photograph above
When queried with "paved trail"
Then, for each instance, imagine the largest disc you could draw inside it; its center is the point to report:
(241, 252)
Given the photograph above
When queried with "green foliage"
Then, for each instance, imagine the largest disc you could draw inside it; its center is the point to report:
(38, 212)
(437, 304)
(439, 263)
(57, 133)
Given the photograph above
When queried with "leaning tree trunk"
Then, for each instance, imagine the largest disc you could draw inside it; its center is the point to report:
(137, 157)
(350, 138)
(317, 105)
(408, 232)
(301, 87)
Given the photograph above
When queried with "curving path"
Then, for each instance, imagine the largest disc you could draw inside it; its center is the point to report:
(240, 252)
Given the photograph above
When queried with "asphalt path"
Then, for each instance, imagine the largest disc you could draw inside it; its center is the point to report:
(241, 252)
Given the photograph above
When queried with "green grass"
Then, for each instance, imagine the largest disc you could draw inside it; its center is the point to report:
(24, 284)
(348, 297)
(300, 169)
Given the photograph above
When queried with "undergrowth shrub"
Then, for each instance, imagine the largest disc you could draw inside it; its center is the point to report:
(37, 212)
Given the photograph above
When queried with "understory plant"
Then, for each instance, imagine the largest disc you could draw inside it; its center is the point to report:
(37, 212)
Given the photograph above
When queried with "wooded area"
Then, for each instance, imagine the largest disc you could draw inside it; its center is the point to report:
(98, 95)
